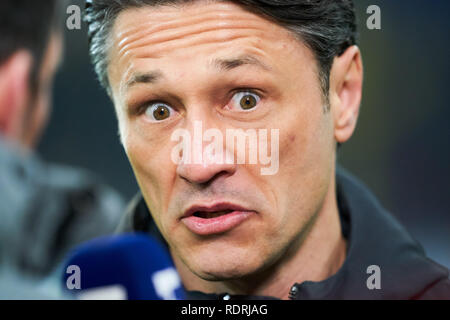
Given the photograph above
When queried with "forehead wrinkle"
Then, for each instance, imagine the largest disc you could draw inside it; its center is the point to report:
(165, 33)
(156, 51)
(134, 31)
(204, 18)
(165, 13)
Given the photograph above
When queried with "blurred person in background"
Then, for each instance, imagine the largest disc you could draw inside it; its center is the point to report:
(45, 209)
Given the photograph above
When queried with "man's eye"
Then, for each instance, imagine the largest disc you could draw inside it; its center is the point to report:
(245, 100)
(158, 111)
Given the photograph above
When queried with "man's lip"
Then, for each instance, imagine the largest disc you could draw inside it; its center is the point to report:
(221, 206)
(234, 215)
(216, 225)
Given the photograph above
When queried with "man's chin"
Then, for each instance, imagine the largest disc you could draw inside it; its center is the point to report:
(221, 275)
(225, 271)
(222, 263)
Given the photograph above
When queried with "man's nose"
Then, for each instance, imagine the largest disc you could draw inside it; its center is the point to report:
(205, 172)
(205, 163)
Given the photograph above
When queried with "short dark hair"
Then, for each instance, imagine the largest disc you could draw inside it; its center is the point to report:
(327, 27)
(27, 24)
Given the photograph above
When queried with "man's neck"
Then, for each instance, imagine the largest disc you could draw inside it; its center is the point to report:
(315, 256)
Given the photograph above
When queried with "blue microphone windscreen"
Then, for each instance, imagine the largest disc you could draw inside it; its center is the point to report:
(134, 262)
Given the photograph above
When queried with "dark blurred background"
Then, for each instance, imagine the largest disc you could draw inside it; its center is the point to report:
(401, 146)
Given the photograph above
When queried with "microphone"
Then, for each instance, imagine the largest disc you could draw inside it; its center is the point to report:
(125, 267)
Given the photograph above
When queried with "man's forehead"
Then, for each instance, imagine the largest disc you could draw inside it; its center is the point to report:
(178, 14)
(154, 26)
(146, 33)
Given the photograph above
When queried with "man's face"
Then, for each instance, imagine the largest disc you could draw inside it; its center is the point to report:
(274, 86)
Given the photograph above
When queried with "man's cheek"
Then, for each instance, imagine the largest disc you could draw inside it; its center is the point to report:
(146, 146)
(151, 167)
(292, 145)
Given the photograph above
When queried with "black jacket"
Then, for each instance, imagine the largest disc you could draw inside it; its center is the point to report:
(373, 236)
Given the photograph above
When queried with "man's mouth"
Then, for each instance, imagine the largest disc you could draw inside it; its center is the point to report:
(210, 215)
(215, 219)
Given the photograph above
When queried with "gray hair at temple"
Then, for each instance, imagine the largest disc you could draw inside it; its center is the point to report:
(327, 27)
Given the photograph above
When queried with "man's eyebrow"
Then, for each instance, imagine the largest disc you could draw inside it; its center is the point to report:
(147, 77)
(232, 63)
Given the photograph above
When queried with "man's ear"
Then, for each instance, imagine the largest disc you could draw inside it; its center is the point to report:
(14, 93)
(346, 78)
